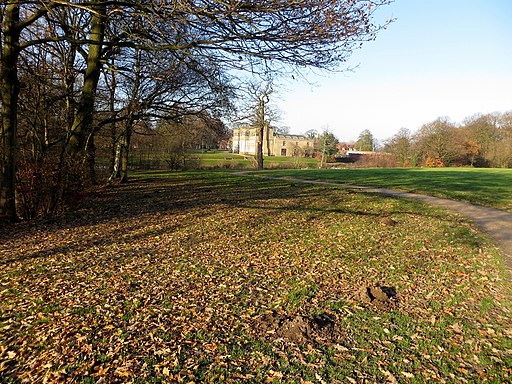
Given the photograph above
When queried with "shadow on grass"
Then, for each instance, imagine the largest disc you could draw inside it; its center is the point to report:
(175, 193)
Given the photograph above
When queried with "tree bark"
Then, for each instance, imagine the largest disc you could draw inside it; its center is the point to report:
(9, 87)
(259, 147)
(132, 109)
(260, 120)
(116, 168)
(122, 151)
(83, 117)
(267, 139)
(126, 151)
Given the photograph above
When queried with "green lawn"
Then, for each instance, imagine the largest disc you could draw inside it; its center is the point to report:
(223, 160)
(236, 161)
(212, 277)
(290, 162)
(482, 186)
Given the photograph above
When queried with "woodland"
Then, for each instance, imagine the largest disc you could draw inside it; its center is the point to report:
(74, 73)
(481, 140)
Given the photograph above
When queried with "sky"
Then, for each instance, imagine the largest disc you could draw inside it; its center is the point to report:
(440, 58)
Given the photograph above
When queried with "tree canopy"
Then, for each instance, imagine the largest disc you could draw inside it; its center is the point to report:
(479, 141)
(103, 63)
(365, 141)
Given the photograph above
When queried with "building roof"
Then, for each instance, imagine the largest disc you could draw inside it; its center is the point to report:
(292, 137)
(282, 136)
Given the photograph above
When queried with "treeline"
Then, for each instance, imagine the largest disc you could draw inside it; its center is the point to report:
(479, 141)
(174, 144)
(78, 78)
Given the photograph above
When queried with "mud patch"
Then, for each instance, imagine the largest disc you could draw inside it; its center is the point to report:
(381, 297)
(299, 328)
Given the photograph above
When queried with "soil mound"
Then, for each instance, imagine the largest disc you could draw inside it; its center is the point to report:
(299, 328)
(381, 297)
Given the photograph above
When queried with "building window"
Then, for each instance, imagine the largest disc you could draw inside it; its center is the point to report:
(284, 143)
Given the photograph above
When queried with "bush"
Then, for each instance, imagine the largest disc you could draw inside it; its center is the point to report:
(377, 160)
(48, 187)
(434, 162)
(35, 188)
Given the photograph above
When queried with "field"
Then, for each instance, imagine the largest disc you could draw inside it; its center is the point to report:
(223, 160)
(232, 160)
(482, 186)
(212, 277)
(214, 159)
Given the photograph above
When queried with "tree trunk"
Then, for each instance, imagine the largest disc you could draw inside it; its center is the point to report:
(83, 117)
(259, 147)
(126, 152)
(132, 108)
(91, 158)
(122, 150)
(260, 119)
(113, 126)
(116, 169)
(9, 87)
(267, 138)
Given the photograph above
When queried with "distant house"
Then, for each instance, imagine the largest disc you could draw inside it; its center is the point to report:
(245, 141)
(343, 148)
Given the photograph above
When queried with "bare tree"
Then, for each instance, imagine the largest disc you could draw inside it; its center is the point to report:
(19, 26)
(436, 141)
(401, 145)
(276, 35)
(259, 112)
(155, 87)
(260, 119)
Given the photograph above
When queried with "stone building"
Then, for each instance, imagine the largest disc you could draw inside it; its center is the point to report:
(245, 140)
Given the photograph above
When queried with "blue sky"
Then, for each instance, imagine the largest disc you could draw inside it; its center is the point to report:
(440, 58)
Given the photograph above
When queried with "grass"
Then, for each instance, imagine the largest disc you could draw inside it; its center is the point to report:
(273, 162)
(481, 186)
(236, 161)
(214, 159)
(173, 286)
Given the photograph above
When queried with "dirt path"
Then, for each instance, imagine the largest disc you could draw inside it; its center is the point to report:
(497, 223)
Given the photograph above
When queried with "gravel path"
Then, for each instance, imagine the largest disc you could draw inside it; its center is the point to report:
(497, 223)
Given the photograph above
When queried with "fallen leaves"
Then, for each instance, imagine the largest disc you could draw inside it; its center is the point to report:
(170, 292)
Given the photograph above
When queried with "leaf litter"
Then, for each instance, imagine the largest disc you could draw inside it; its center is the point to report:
(214, 278)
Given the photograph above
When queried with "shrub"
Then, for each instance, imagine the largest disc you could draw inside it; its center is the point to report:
(434, 162)
(48, 187)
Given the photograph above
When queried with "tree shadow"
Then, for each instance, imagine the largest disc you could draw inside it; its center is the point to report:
(191, 193)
